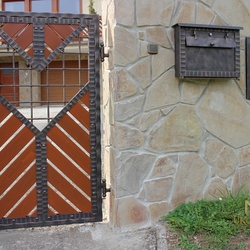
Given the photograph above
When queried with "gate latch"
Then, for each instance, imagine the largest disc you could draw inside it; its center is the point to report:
(104, 188)
(102, 53)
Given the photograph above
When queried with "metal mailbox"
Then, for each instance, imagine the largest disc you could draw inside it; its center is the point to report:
(207, 51)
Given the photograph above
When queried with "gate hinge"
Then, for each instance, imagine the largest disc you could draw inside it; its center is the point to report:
(104, 188)
(102, 53)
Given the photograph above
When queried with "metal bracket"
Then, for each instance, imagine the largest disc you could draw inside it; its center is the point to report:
(102, 53)
(105, 190)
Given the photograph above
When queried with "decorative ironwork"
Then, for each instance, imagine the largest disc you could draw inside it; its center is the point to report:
(53, 160)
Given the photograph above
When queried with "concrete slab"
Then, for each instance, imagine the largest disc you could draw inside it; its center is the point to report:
(94, 236)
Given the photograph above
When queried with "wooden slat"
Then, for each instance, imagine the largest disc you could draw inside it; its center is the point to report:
(21, 163)
(76, 132)
(30, 52)
(23, 209)
(34, 213)
(26, 38)
(21, 187)
(70, 148)
(81, 114)
(60, 205)
(3, 112)
(64, 30)
(14, 147)
(46, 52)
(50, 212)
(50, 38)
(68, 169)
(9, 128)
(86, 99)
(13, 28)
(68, 190)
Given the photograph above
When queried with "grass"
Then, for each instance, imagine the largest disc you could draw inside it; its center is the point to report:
(217, 220)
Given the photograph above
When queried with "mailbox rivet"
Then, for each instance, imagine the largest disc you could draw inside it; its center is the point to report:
(210, 34)
(212, 43)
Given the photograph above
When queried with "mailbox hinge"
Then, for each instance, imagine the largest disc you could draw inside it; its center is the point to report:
(105, 190)
(102, 53)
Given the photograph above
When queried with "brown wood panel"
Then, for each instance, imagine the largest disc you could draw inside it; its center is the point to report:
(70, 148)
(18, 166)
(81, 114)
(76, 132)
(14, 147)
(46, 52)
(50, 38)
(4, 112)
(30, 52)
(8, 129)
(68, 169)
(64, 30)
(13, 28)
(26, 37)
(34, 213)
(68, 190)
(60, 205)
(86, 99)
(50, 212)
(20, 188)
(24, 208)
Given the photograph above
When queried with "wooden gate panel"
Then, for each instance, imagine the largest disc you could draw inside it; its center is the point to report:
(50, 167)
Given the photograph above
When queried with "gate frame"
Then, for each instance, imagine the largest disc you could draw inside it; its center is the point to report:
(93, 86)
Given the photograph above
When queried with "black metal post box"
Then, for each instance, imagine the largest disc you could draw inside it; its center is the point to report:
(207, 51)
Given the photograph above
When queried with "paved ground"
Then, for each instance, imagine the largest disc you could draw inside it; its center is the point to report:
(94, 236)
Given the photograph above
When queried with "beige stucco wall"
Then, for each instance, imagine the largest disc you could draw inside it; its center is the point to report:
(169, 141)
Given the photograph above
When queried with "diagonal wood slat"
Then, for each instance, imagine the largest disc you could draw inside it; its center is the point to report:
(17, 167)
(58, 203)
(62, 30)
(51, 38)
(62, 163)
(8, 129)
(13, 29)
(15, 146)
(26, 38)
(21, 187)
(76, 132)
(81, 114)
(25, 206)
(70, 148)
(73, 195)
(3, 112)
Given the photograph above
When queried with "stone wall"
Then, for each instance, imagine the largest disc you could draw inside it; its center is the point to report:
(169, 141)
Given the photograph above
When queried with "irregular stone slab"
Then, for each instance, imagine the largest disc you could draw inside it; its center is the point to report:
(126, 109)
(186, 13)
(189, 180)
(181, 130)
(208, 2)
(124, 86)
(127, 137)
(130, 213)
(227, 9)
(157, 210)
(133, 169)
(158, 189)
(158, 35)
(204, 14)
(141, 72)
(244, 156)
(215, 190)
(221, 157)
(241, 179)
(146, 12)
(164, 166)
(161, 62)
(146, 120)
(223, 110)
(125, 48)
(125, 18)
(163, 92)
(191, 91)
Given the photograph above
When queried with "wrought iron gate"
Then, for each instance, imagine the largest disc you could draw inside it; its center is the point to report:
(50, 168)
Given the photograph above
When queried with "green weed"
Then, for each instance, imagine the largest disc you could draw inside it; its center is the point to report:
(215, 219)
